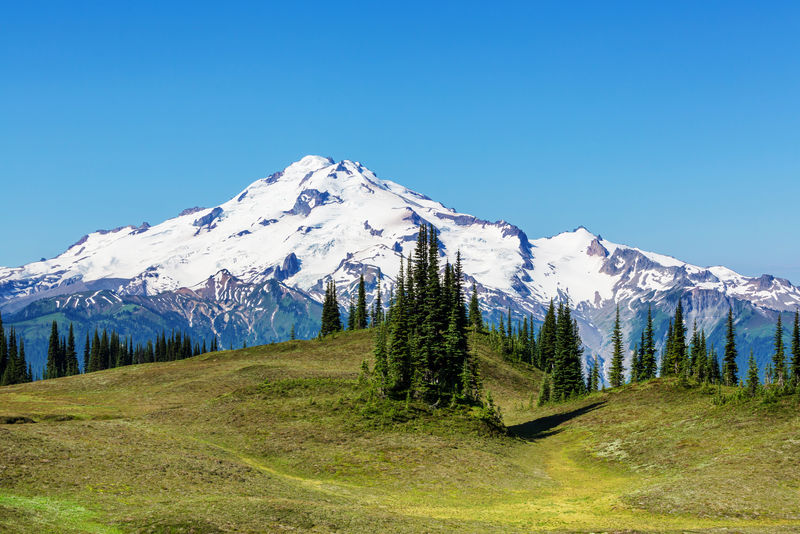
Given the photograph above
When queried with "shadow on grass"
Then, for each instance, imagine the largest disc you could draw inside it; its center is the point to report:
(546, 426)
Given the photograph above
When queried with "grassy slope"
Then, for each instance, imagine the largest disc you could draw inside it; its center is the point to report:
(274, 438)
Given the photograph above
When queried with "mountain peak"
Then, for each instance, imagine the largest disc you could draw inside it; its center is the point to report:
(309, 163)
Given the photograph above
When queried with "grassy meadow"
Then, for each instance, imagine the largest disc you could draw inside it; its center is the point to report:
(280, 438)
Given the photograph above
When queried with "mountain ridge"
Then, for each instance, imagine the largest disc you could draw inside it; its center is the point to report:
(319, 219)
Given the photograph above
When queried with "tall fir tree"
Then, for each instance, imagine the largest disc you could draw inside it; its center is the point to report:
(71, 356)
(616, 375)
(3, 349)
(649, 357)
(547, 340)
(714, 372)
(795, 349)
(51, 369)
(730, 370)
(666, 353)
(752, 376)
(331, 319)
(678, 357)
(594, 377)
(361, 305)
(567, 376)
(377, 308)
(779, 356)
(475, 317)
(351, 316)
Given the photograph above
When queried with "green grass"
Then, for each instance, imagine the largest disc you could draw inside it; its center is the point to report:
(280, 437)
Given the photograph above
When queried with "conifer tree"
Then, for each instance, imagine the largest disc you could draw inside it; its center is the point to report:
(752, 376)
(702, 359)
(594, 377)
(694, 351)
(779, 357)
(94, 358)
(52, 365)
(547, 340)
(567, 377)
(729, 368)
(351, 316)
(22, 365)
(649, 358)
(616, 375)
(714, 373)
(399, 350)
(475, 318)
(71, 356)
(544, 391)
(86, 349)
(377, 309)
(795, 348)
(10, 373)
(331, 320)
(3, 349)
(291, 336)
(666, 354)
(361, 305)
(678, 357)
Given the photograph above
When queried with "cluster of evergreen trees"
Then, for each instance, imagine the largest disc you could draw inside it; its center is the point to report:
(359, 315)
(107, 349)
(780, 376)
(556, 350)
(421, 348)
(14, 369)
(692, 359)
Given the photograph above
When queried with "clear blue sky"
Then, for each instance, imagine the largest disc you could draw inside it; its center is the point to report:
(671, 126)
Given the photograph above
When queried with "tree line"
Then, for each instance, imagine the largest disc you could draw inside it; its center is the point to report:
(14, 369)
(102, 350)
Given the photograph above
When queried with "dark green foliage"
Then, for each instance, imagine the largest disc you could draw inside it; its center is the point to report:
(3, 349)
(351, 316)
(567, 376)
(377, 308)
(475, 317)
(331, 320)
(594, 377)
(752, 376)
(714, 372)
(421, 349)
(547, 340)
(676, 356)
(729, 368)
(795, 348)
(666, 364)
(544, 391)
(16, 369)
(648, 365)
(71, 356)
(54, 366)
(291, 337)
(361, 305)
(779, 356)
(616, 375)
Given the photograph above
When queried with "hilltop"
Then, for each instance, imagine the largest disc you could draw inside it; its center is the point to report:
(277, 437)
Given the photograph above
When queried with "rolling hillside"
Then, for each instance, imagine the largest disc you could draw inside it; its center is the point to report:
(280, 437)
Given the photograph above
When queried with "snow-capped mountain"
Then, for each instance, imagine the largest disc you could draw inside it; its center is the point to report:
(257, 263)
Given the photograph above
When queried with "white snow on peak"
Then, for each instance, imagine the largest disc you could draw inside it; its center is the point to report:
(339, 218)
(308, 163)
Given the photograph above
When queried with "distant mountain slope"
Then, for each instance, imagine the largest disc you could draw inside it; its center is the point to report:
(227, 270)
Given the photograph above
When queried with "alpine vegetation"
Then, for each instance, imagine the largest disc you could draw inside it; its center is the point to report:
(421, 348)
